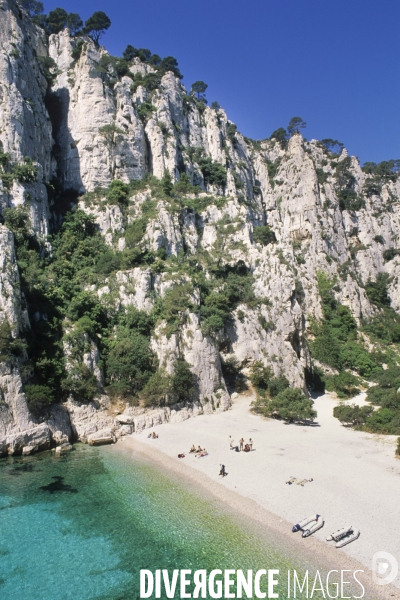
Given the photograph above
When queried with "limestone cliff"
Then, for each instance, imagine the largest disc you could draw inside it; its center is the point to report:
(84, 126)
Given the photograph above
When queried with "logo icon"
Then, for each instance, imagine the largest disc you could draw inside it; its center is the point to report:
(384, 568)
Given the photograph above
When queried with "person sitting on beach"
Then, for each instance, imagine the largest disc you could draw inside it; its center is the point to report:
(247, 448)
(192, 449)
(155, 436)
(199, 449)
(181, 456)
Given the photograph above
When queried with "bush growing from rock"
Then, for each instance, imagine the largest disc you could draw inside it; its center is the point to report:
(264, 235)
(38, 397)
(118, 192)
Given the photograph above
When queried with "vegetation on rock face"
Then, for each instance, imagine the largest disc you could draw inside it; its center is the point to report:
(337, 343)
(213, 172)
(23, 172)
(161, 66)
(264, 235)
(345, 182)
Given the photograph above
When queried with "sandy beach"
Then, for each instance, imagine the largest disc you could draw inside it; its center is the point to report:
(356, 477)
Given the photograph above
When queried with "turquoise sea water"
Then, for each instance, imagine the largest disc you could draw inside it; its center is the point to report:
(82, 526)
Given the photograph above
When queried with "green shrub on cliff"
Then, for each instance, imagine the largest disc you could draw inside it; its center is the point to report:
(263, 235)
(38, 397)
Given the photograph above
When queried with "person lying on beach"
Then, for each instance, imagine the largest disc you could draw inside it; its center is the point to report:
(298, 481)
(181, 456)
(291, 480)
(192, 449)
(202, 453)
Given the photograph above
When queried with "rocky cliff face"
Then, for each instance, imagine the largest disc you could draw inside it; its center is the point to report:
(86, 126)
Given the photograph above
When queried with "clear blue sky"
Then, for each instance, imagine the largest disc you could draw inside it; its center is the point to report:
(335, 63)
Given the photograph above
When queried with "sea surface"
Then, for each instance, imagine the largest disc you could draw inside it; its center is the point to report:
(81, 527)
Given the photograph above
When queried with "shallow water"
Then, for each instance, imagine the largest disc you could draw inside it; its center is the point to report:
(82, 526)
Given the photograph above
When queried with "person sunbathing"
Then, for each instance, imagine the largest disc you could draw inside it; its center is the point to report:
(181, 455)
(303, 481)
(291, 480)
(192, 449)
(202, 453)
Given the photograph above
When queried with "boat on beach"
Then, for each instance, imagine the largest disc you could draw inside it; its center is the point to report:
(309, 525)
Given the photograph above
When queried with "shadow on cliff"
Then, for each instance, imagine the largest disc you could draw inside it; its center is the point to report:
(64, 189)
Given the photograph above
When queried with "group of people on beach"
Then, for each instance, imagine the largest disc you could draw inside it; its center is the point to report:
(242, 445)
(199, 452)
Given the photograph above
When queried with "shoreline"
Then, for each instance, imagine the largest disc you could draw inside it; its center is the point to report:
(243, 501)
(312, 550)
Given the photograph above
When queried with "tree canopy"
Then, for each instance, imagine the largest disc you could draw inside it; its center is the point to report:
(97, 25)
(57, 20)
(332, 145)
(280, 135)
(199, 88)
(295, 124)
(33, 7)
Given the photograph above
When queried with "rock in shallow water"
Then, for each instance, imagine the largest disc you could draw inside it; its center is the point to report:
(105, 436)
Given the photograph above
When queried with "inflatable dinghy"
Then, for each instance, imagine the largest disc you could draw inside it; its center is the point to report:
(309, 525)
(354, 534)
(313, 527)
(338, 535)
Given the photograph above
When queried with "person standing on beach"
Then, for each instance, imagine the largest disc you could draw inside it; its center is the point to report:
(241, 442)
(251, 444)
(231, 442)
